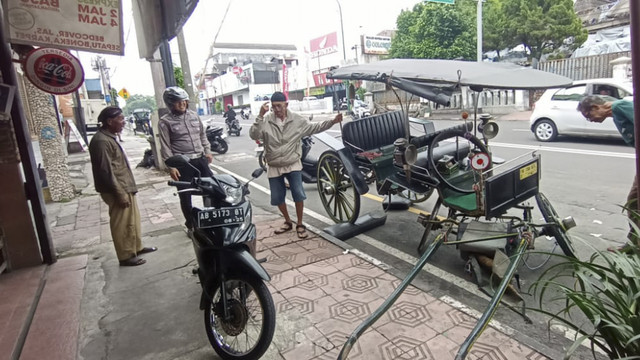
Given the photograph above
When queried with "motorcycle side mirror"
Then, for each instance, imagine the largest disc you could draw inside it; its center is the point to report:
(177, 161)
(257, 173)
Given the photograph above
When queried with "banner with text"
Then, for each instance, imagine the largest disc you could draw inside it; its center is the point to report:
(86, 25)
(324, 45)
(378, 45)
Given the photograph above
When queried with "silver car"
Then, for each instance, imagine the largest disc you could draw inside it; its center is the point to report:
(555, 112)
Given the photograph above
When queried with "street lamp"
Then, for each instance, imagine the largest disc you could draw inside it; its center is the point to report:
(344, 52)
(355, 47)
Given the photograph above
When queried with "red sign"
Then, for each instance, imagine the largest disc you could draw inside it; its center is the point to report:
(285, 80)
(324, 45)
(53, 70)
(237, 70)
(320, 78)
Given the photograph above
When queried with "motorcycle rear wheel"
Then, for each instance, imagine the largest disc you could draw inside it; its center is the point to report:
(221, 148)
(248, 332)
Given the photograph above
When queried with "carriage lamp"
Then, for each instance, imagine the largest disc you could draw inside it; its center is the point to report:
(568, 223)
(404, 154)
(487, 126)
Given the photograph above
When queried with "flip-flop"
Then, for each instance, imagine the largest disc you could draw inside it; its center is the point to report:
(133, 261)
(146, 250)
(302, 234)
(287, 226)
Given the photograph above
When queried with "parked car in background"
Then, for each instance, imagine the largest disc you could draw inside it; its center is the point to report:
(555, 112)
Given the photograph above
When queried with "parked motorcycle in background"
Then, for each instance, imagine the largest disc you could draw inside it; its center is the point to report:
(245, 114)
(239, 313)
(216, 137)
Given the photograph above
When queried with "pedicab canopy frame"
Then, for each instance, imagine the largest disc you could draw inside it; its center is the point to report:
(436, 80)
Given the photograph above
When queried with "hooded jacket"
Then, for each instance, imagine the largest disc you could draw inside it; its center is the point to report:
(282, 145)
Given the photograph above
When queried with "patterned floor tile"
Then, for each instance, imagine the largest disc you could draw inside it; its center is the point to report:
(449, 321)
(341, 262)
(302, 291)
(494, 345)
(275, 265)
(375, 346)
(331, 283)
(323, 253)
(287, 279)
(309, 343)
(358, 287)
(320, 267)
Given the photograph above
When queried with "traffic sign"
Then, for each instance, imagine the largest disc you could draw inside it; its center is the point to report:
(237, 70)
(124, 93)
(441, 1)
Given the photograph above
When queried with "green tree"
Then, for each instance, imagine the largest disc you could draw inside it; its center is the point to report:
(543, 26)
(436, 31)
(140, 102)
(179, 75)
(495, 34)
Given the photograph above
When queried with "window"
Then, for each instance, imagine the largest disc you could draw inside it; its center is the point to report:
(573, 93)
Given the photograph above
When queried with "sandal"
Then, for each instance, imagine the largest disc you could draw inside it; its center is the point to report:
(288, 225)
(133, 261)
(146, 250)
(302, 231)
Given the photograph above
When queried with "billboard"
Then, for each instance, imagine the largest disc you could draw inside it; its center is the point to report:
(94, 26)
(324, 45)
(378, 45)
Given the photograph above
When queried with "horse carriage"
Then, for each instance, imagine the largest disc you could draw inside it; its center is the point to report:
(488, 212)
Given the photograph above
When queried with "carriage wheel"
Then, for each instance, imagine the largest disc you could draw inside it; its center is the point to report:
(555, 227)
(457, 137)
(339, 197)
(414, 197)
(427, 236)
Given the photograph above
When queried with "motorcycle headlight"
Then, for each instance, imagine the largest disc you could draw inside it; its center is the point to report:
(234, 195)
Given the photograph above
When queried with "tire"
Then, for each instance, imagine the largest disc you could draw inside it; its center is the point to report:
(222, 147)
(226, 336)
(337, 192)
(545, 130)
(555, 227)
(261, 162)
(415, 197)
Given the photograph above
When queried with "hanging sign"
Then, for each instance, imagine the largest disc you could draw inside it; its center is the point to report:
(53, 70)
(94, 26)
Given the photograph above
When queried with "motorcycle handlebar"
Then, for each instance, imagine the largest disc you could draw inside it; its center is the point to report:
(178, 183)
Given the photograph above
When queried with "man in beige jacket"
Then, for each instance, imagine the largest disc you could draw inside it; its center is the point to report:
(281, 132)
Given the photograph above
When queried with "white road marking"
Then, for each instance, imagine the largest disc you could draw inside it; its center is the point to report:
(565, 150)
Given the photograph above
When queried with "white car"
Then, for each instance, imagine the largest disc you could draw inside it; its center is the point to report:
(555, 112)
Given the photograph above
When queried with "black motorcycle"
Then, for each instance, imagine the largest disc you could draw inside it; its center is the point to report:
(239, 313)
(233, 125)
(245, 114)
(216, 137)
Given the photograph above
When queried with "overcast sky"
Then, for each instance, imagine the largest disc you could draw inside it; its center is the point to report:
(251, 21)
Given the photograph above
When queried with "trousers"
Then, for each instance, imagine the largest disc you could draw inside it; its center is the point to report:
(125, 226)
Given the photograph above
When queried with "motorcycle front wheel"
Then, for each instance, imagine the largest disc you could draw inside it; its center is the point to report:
(247, 332)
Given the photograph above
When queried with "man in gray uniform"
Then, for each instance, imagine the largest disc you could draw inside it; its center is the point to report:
(182, 132)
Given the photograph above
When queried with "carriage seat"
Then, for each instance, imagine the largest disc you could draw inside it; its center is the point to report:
(373, 132)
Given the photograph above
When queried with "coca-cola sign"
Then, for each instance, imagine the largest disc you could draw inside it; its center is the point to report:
(53, 70)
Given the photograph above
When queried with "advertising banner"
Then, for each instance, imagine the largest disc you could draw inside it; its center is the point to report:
(324, 45)
(285, 80)
(86, 25)
(53, 70)
(377, 45)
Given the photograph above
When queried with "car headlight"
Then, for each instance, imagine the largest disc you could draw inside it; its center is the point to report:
(234, 195)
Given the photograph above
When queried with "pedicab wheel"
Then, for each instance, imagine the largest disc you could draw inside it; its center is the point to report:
(456, 137)
(555, 227)
(415, 197)
(339, 197)
(427, 235)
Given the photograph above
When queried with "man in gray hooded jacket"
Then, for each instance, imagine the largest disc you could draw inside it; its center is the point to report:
(281, 132)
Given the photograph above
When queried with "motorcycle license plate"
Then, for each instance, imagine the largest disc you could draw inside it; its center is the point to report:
(220, 217)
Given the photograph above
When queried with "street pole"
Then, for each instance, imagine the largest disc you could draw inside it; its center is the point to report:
(479, 34)
(186, 69)
(344, 57)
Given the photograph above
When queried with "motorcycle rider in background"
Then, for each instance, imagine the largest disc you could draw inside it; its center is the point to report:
(229, 115)
(182, 132)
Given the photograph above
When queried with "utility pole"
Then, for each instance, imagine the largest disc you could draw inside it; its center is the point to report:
(99, 64)
(479, 34)
(186, 70)
(159, 86)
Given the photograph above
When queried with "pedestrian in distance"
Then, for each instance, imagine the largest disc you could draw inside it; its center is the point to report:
(596, 109)
(281, 132)
(182, 133)
(114, 181)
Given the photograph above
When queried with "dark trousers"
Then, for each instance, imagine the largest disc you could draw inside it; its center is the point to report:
(186, 174)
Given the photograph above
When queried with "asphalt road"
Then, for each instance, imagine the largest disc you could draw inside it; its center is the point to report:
(585, 178)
